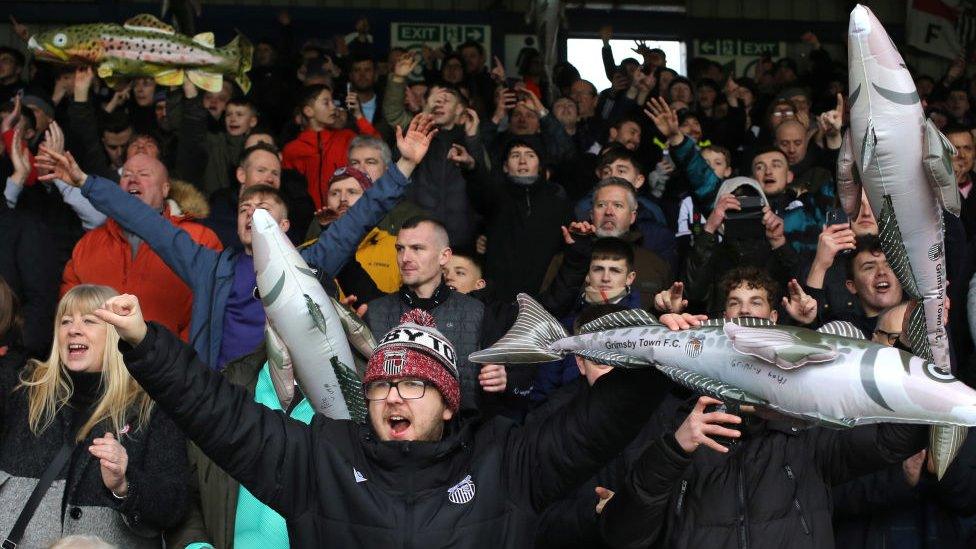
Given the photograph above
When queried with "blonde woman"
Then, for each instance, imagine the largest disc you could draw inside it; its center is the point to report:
(125, 479)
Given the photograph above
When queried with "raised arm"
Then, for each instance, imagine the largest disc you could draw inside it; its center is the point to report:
(338, 243)
(268, 452)
(174, 245)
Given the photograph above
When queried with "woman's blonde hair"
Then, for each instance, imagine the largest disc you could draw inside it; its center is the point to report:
(49, 387)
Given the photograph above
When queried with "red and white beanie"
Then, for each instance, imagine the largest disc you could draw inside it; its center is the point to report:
(417, 349)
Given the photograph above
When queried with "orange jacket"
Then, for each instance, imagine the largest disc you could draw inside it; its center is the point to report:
(317, 154)
(104, 256)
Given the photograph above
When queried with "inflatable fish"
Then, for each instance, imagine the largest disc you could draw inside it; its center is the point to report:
(905, 167)
(303, 316)
(832, 377)
(145, 46)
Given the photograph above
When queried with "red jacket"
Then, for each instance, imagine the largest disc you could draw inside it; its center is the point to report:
(104, 256)
(317, 154)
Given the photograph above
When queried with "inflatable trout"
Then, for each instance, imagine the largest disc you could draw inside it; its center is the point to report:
(145, 46)
(303, 317)
(832, 377)
(905, 167)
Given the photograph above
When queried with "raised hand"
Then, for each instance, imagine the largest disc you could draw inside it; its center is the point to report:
(54, 138)
(19, 158)
(833, 240)
(830, 123)
(460, 156)
(123, 312)
(59, 166)
(122, 94)
(531, 102)
(699, 427)
(113, 461)
(666, 120)
(471, 122)
(577, 228)
(413, 143)
(773, 223)
(604, 495)
(84, 75)
(20, 29)
(641, 49)
(717, 217)
(498, 72)
(352, 103)
(671, 300)
(800, 305)
(405, 65)
(350, 303)
(11, 118)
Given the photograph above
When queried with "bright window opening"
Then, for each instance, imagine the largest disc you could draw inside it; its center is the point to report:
(584, 54)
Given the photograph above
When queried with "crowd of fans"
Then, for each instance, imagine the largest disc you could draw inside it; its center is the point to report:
(434, 180)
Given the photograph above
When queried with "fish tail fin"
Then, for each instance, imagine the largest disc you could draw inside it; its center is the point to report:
(209, 81)
(352, 390)
(944, 444)
(528, 341)
(242, 49)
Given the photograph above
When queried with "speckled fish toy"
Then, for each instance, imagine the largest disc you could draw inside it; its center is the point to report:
(145, 46)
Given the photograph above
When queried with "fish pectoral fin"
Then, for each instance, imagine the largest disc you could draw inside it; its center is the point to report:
(208, 81)
(105, 70)
(710, 386)
(937, 159)
(622, 319)
(172, 77)
(205, 39)
(944, 444)
(777, 347)
(610, 358)
(841, 328)
(868, 143)
(848, 183)
(148, 23)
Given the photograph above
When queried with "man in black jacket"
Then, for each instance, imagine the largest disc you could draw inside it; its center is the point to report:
(769, 487)
(472, 484)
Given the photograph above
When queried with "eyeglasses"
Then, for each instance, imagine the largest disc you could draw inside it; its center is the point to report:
(892, 337)
(408, 389)
(779, 114)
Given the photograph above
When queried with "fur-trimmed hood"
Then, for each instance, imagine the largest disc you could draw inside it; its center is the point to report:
(186, 200)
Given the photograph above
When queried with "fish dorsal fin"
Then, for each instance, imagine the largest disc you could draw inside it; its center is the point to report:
(148, 23)
(778, 347)
(841, 328)
(749, 321)
(205, 39)
(611, 358)
(622, 319)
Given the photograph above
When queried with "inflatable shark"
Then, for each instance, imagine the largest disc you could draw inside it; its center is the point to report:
(905, 167)
(832, 377)
(306, 321)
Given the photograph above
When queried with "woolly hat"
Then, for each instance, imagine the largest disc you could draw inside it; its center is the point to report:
(348, 171)
(416, 349)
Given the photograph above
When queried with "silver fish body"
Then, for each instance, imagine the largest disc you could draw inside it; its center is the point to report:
(305, 319)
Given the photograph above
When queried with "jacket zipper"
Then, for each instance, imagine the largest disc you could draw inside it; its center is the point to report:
(681, 497)
(743, 518)
(528, 204)
(796, 500)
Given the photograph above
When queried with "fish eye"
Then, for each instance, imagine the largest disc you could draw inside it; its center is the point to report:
(60, 39)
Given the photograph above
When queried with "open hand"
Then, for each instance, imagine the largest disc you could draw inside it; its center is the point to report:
(60, 166)
(413, 143)
(665, 118)
(699, 427)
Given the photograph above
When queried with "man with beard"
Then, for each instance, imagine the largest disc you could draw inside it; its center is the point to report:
(362, 82)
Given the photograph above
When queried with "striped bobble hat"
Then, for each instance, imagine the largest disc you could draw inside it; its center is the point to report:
(416, 349)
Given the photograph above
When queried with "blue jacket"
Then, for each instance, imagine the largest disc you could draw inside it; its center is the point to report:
(210, 274)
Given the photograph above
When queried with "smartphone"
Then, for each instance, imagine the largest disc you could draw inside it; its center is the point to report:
(730, 408)
(751, 208)
(837, 216)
